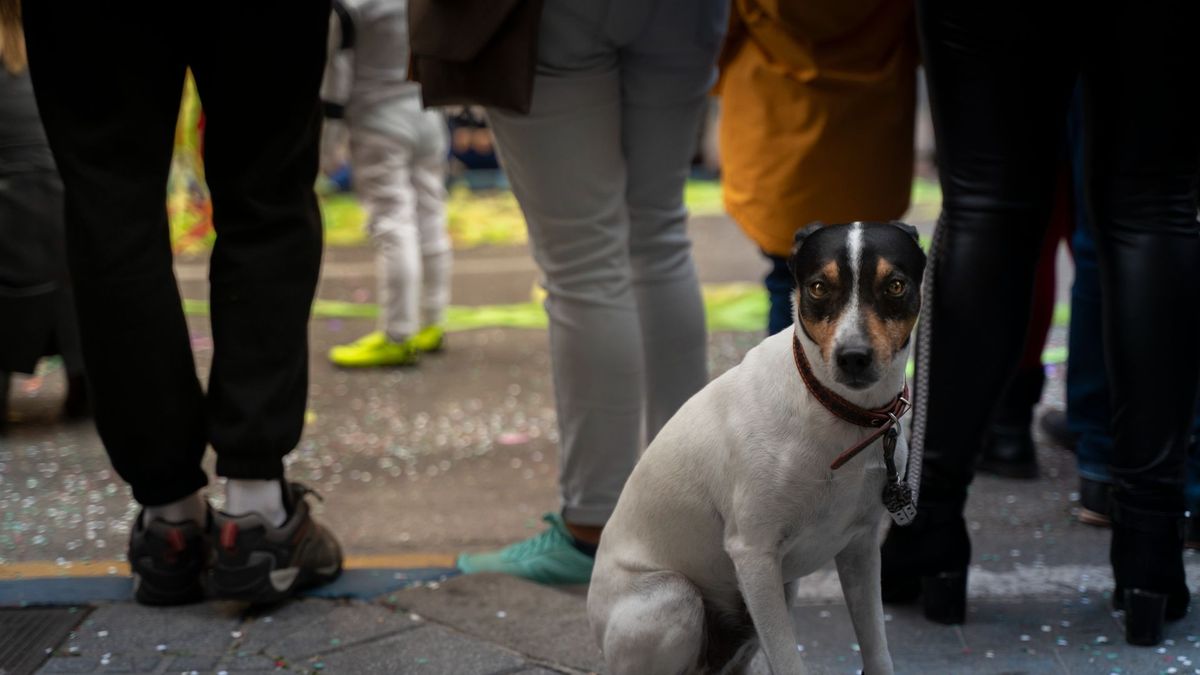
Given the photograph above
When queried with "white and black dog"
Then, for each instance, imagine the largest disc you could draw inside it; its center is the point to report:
(766, 474)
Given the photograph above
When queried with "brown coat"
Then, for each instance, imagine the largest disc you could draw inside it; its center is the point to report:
(818, 103)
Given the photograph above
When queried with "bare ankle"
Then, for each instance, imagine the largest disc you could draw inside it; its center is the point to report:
(588, 534)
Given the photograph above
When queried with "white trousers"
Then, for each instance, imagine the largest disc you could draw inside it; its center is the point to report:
(599, 168)
(402, 187)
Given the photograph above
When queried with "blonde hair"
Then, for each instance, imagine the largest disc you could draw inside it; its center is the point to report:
(12, 38)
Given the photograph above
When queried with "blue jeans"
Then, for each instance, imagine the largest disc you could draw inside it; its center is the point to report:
(779, 287)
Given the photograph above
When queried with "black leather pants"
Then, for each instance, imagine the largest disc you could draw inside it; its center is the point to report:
(1001, 74)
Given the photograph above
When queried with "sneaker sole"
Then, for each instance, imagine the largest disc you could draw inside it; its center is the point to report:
(274, 586)
(148, 594)
(397, 364)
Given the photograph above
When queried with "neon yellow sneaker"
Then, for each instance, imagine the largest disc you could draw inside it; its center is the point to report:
(429, 339)
(374, 350)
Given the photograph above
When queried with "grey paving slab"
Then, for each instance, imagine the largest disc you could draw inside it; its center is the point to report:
(305, 628)
(67, 664)
(543, 623)
(130, 638)
(826, 636)
(429, 650)
(1065, 635)
(247, 663)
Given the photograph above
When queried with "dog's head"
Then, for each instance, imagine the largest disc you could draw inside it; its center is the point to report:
(858, 292)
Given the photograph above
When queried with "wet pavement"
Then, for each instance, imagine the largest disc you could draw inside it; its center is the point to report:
(459, 453)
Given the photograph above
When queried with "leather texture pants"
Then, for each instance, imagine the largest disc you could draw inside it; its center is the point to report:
(1000, 86)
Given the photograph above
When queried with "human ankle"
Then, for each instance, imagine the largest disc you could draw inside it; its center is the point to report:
(192, 508)
(587, 534)
(264, 497)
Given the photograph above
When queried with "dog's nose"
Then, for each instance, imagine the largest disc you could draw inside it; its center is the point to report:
(854, 360)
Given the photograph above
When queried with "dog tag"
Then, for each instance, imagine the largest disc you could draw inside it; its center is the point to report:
(897, 499)
(897, 495)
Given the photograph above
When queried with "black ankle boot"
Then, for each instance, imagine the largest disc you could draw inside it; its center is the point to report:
(928, 560)
(1008, 449)
(1147, 560)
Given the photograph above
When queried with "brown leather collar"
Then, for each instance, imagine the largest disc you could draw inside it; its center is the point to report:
(880, 419)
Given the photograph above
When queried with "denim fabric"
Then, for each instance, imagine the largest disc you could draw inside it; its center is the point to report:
(779, 287)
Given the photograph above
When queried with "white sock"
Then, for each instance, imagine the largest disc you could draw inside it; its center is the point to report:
(264, 497)
(192, 507)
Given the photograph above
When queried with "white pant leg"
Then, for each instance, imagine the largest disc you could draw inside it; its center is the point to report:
(429, 185)
(382, 168)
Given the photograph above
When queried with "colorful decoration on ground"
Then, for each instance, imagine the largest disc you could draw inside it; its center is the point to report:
(476, 217)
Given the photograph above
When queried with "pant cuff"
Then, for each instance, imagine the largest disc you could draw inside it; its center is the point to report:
(587, 516)
(159, 492)
(250, 468)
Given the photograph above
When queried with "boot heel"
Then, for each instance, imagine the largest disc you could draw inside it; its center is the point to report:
(944, 597)
(1145, 612)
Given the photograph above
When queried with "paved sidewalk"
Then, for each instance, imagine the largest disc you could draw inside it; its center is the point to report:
(492, 625)
(460, 454)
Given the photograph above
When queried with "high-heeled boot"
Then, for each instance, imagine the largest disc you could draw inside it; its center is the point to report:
(928, 559)
(1008, 448)
(1147, 561)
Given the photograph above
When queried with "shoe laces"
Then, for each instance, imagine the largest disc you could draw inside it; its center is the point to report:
(546, 540)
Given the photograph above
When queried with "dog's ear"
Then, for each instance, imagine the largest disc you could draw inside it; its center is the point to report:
(908, 229)
(798, 241)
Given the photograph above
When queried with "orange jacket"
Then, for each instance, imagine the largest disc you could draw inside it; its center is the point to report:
(817, 114)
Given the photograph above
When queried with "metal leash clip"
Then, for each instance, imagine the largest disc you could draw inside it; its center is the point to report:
(897, 496)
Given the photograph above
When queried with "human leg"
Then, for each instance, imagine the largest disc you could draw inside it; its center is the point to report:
(1143, 157)
(383, 170)
(566, 166)
(429, 184)
(258, 70)
(112, 137)
(780, 284)
(1008, 447)
(666, 73)
(579, 229)
(998, 88)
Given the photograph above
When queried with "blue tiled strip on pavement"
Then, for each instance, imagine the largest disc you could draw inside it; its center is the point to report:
(356, 583)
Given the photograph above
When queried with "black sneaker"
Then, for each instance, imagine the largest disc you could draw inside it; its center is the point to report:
(168, 561)
(260, 563)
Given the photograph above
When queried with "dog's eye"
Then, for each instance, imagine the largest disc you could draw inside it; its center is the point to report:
(818, 289)
(896, 288)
